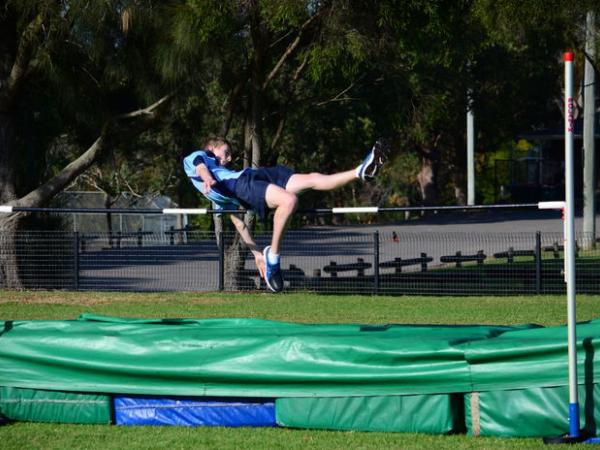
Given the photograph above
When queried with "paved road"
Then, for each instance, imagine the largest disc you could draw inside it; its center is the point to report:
(158, 266)
(509, 221)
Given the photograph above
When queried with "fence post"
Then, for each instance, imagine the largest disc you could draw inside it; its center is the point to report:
(76, 260)
(538, 262)
(221, 244)
(376, 260)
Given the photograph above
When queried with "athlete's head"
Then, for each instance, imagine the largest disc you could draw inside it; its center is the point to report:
(221, 149)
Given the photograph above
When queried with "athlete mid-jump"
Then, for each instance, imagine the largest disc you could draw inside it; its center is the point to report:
(257, 189)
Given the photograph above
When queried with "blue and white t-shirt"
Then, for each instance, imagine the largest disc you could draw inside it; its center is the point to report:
(223, 192)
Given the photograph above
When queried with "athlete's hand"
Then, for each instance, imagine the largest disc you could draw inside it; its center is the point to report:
(208, 184)
(206, 177)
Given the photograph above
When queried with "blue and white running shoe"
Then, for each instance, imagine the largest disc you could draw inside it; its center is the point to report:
(273, 276)
(374, 160)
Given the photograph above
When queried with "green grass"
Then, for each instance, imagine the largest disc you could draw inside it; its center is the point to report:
(298, 307)
(105, 437)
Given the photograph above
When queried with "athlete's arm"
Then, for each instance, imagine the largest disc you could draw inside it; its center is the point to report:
(203, 172)
(246, 236)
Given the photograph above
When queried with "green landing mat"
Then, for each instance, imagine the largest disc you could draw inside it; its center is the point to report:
(259, 358)
(34, 405)
(433, 414)
(535, 412)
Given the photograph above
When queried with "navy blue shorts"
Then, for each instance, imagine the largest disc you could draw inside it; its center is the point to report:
(251, 186)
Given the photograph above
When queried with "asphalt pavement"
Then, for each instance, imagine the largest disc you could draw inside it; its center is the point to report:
(194, 266)
(492, 221)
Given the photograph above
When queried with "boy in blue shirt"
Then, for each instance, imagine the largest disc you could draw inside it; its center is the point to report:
(266, 187)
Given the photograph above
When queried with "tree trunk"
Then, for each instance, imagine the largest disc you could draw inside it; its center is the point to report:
(124, 126)
(460, 195)
(7, 159)
(256, 83)
(589, 150)
(235, 262)
(9, 276)
(9, 264)
(236, 253)
(459, 174)
(107, 204)
(427, 178)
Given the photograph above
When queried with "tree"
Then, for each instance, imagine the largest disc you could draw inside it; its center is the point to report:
(66, 51)
(536, 33)
(589, 135)
(276, 60)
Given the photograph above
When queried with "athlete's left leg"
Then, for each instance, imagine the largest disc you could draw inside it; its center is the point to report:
(284, 203)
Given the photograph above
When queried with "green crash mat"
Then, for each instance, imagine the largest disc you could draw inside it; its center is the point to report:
(535, 412)
(235, 357)
(434, 414)
(34, 405)
(259, 358)
(528, 358)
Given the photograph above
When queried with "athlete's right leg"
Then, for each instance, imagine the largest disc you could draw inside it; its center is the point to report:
(300, 182)
(322, 182)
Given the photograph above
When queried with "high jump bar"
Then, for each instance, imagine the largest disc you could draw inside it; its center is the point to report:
(8, 209)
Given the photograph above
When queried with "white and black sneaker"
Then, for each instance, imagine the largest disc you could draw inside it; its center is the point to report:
(374, 160)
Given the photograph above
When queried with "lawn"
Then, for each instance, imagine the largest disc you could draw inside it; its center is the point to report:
(298, 307)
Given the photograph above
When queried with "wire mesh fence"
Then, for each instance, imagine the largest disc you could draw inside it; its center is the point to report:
(324, 260)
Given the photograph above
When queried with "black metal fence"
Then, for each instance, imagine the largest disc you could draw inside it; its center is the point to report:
(320, 260)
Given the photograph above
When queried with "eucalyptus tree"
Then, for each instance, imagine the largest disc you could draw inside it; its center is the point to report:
(534, 34)
(506, 53)
(74, 73)
(268, 65)
(69, 69)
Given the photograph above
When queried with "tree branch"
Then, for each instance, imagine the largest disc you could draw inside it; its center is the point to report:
(148, 113)
(93, 182)
(121, 127)
(231, 103)
(278, 132)
(25, 50)
(338, 97)
(290, 49)
(280, 126)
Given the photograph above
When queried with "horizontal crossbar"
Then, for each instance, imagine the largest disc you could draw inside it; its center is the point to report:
(8, 209)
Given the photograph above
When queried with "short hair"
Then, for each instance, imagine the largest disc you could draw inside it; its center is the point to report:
(216, 141)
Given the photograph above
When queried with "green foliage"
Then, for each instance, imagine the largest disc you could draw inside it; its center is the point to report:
(349, 72)
(281, 15)
(493, 169)
(210, 19)
(84, 69)
(343, 53)
(400, 175)
(516, 25)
